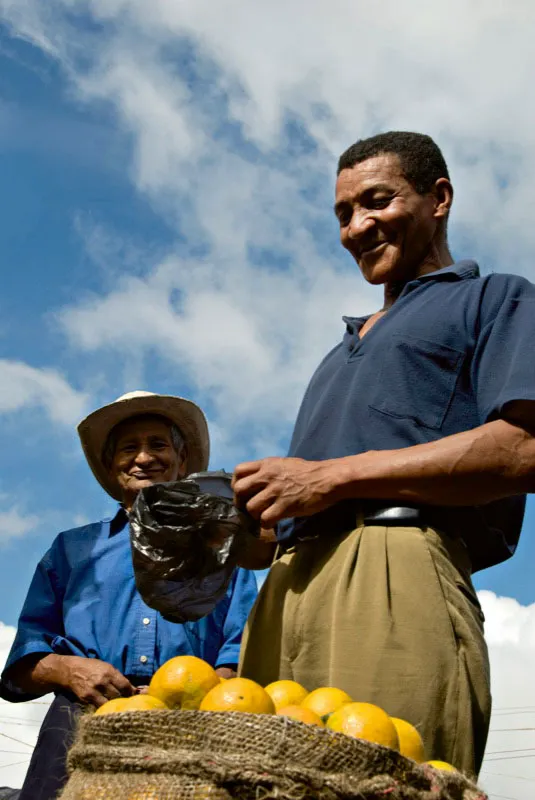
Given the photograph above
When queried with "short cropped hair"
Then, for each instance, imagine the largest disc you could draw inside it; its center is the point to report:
(108, 451)
(421, 159)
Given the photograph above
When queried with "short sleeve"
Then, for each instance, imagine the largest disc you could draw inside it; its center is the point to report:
(41, 618)
(503, 366)
(243, 595)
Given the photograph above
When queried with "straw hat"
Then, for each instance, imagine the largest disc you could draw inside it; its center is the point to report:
(188, 417)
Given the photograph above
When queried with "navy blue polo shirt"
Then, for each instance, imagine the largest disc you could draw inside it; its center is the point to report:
(448, 356)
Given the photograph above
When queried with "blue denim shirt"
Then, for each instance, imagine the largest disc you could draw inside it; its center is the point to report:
(83, 601)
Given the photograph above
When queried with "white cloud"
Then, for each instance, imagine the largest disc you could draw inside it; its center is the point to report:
(340, 70)
(206, 94)
(509, 767)
(23, 386)
(247, 342)
(19, 725)
(15, 523)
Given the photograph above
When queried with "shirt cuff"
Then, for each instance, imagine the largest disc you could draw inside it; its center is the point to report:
(10, 691)
(229, 654)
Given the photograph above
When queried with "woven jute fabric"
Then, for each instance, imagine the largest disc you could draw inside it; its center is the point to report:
(193, 755)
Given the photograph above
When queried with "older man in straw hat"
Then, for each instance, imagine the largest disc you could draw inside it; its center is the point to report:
(84, 631)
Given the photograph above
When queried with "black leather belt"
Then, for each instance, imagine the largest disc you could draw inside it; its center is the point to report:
(490, 533)
(371, 512)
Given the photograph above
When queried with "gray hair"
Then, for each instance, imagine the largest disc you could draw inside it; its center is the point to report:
(108, 451)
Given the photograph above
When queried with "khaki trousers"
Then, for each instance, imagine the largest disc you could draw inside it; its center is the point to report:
(390, 615)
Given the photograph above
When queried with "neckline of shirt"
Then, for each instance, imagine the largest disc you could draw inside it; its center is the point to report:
(460, 270)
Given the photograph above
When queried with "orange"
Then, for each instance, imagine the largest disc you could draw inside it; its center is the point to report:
(301, 714)
(238, 694)
(410, 741)
(365, 721)
(325, 700)
(286, 693)
(183, 681)
(442, 765)
(139, 702)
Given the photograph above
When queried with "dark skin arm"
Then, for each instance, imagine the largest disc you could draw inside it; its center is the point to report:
(92, 681)
(492, 461)
(259, 553)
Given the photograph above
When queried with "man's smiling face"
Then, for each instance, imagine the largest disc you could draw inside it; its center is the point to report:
(145, 454)
(387, 226)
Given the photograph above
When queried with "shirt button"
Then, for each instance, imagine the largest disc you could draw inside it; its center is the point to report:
(146, 621)
(143, 659)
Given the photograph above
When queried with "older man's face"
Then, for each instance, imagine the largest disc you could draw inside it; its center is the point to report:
(145, 454)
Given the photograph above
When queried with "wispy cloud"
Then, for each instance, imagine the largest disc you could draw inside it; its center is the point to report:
(235, 118)
(14, 522)
(24, 386)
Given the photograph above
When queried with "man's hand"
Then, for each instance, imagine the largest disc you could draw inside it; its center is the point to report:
(226, 672)
(275, 488)
(93, 681)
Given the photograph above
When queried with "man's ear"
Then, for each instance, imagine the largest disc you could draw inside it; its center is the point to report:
(443, 192)
(183, 461)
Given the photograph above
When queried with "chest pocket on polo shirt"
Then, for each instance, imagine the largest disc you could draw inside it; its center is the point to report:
(416, 380)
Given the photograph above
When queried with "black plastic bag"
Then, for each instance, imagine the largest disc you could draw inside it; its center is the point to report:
(186, 537)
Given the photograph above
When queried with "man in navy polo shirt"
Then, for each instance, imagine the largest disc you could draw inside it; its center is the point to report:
(409, 463)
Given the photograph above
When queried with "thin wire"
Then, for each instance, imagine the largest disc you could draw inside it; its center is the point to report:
(520, 710)
(506, 730)
(501, 796)
(30, 703)
(13, 764)
(15, 752)
(14, 722)
(506, 775)
(510, 758)
(19, 741)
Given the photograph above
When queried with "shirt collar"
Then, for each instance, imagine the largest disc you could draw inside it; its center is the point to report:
(459, 271)
(118, 522)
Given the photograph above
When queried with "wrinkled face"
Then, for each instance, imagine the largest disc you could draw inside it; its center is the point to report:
(145, 454)
(384, 223)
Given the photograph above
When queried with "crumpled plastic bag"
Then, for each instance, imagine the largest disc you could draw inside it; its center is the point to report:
(186, 538)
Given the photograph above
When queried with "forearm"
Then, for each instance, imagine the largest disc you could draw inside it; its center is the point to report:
(258, 553)
(39, 673)
(474, 467)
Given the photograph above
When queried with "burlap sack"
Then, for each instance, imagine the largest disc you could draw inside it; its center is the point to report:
(193, 755)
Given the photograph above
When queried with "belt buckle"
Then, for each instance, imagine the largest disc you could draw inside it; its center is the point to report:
(307, 538)
(392, 514)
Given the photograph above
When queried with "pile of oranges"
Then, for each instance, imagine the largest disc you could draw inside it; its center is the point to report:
(188, 682)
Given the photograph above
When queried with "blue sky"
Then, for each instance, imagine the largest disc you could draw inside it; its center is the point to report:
(166, 196)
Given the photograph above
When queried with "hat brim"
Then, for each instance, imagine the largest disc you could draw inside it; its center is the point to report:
(187, 416)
